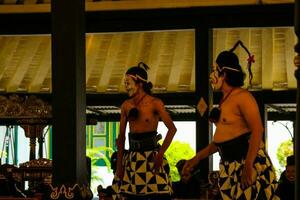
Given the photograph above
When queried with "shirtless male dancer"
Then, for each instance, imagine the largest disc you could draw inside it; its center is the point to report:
(246, 171)
(143, 173)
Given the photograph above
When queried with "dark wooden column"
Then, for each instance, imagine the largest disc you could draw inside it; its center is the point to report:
(203, 48)
(263, 114)
(68, 100)
(297, 75)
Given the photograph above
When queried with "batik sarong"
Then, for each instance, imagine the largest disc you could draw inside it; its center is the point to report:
(264, 185)
(140, 179)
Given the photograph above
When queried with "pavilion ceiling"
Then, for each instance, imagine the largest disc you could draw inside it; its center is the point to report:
(25, 60)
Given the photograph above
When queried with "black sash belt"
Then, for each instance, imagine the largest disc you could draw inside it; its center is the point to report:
(144, 141)
(235, 149)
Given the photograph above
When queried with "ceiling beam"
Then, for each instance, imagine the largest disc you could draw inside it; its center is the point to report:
(99, 63)
(28, 48)
(8, 45)
(267, 54)
(116, 78)
(93, 46)
(110, 62)
(187, 80)
(166, 56)
(136, 49)
(153, 60)
(178, 61)
(43, 68)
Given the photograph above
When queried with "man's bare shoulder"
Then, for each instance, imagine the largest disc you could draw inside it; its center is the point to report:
(245, 97)
(127, 103)
(155, 100)
(242, 93)
(158, 104)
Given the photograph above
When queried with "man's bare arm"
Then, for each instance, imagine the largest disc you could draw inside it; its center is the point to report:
(165, 117)
(121, 141)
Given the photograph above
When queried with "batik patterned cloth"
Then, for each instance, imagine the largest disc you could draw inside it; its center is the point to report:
(140, 179)
(264, 185)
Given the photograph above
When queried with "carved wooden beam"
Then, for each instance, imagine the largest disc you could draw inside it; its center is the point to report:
(24, 110)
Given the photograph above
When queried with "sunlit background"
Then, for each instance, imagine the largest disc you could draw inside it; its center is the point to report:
(99, 148)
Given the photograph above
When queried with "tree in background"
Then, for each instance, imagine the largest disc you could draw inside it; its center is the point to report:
(177, 151)
(98, 155)
(284, 150)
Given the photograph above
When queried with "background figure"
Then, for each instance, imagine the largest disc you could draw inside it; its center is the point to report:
(246, 171)
(108, 192)
(188, 187)
(286, 187)
(193, 186)
(144, 172)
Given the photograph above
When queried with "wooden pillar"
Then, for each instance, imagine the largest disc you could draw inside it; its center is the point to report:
(69, 100)
(41, 141)
(203, 48)
(33, 132)
(297, 75)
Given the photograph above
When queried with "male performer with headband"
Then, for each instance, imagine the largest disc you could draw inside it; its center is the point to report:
(144, 172)
(246, 172)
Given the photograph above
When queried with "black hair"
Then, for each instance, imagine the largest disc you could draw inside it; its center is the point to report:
(147, 87)
(141, 76)
(113, 161)
(229, 59)
(179, 165)
(290, 160)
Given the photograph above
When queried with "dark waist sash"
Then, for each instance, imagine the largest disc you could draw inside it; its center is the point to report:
(144, 141)
(235, 149)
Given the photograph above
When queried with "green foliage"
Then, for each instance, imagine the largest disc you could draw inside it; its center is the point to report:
(97, 154)
(3, 154)
(177, 151)
(284, 150)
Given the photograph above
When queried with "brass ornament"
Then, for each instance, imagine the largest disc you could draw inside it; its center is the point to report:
(69, 192)
(202, 106)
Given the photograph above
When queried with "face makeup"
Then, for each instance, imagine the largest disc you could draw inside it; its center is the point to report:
(130, 85)
(216, 79)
